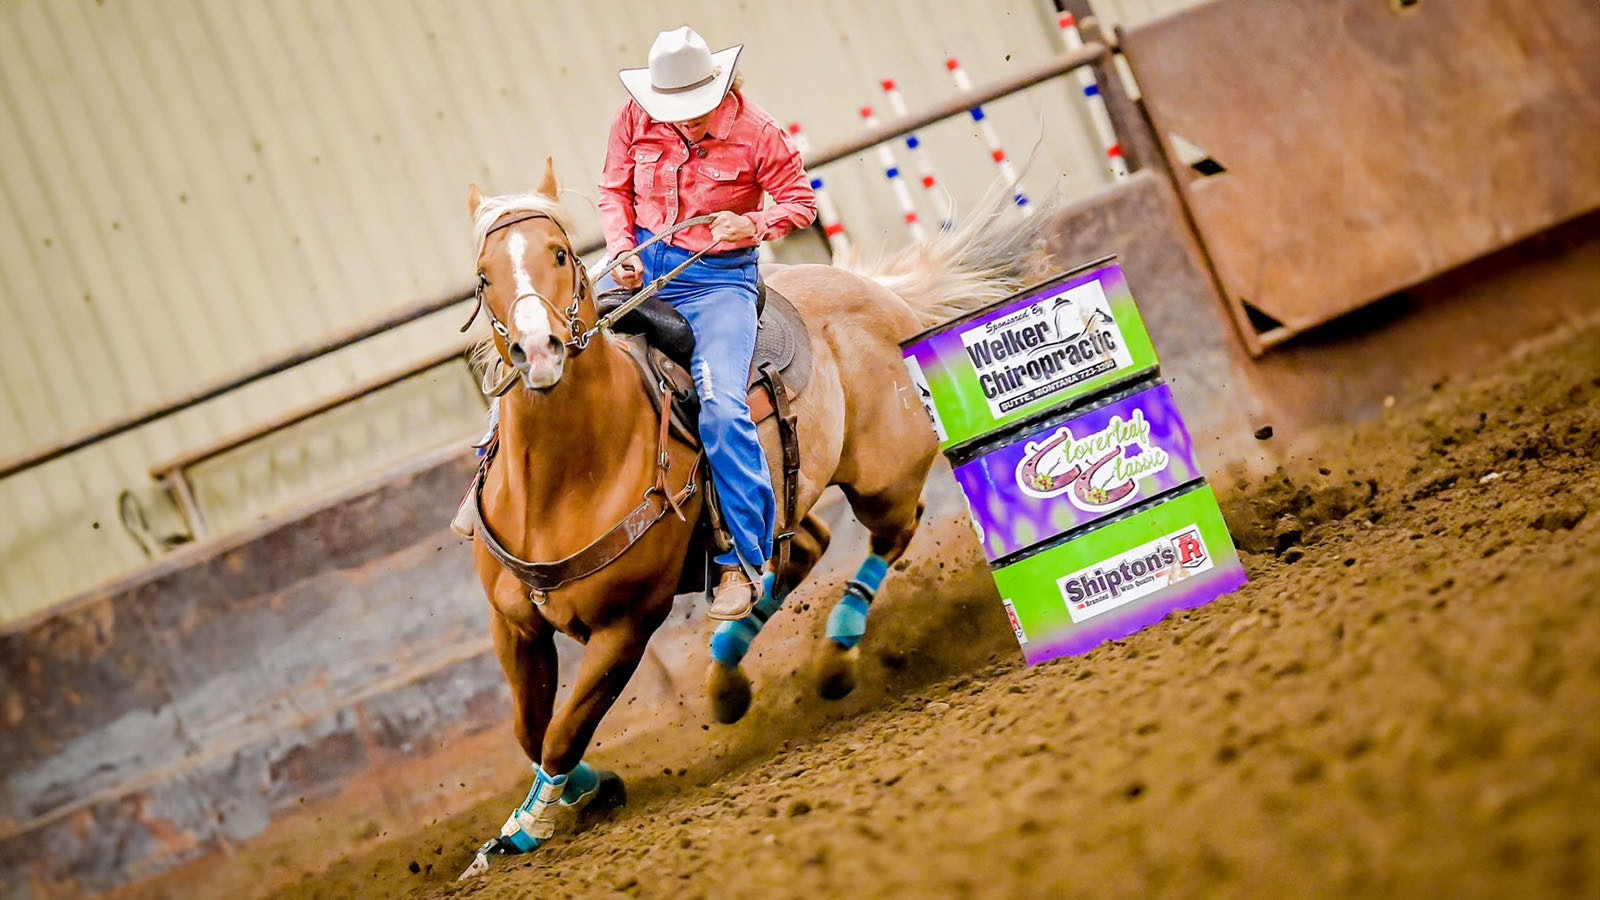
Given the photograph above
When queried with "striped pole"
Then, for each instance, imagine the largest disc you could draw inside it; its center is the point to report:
(930, 184)
(1115, 164)
(996, 152)
(826, 211)
(891, 171)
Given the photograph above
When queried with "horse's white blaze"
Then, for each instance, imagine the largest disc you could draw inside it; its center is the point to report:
(517, 248)
(531, 320)
(527, 314)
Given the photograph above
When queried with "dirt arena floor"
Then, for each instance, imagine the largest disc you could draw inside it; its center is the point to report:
(1404, 701)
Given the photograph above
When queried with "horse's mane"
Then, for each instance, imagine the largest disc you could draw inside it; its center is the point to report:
(493, 209)
(483, 357)
(988, 257)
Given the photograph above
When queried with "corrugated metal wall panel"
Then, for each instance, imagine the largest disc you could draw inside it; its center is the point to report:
(191, 186)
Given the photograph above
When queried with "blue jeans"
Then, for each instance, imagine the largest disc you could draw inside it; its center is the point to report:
(718, 297)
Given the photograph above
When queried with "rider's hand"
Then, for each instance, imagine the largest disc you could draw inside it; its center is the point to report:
(629, 273)
(729, 226)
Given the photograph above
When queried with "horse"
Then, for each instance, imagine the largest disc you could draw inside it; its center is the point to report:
(581, 440)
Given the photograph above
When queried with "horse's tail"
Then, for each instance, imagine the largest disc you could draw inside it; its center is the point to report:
(990, 256)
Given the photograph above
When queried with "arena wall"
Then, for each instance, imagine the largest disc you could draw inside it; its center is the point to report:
(191, 188)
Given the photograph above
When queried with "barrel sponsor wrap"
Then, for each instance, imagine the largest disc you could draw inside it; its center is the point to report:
(1046, 347)
(1107, 582)
(1072, 473)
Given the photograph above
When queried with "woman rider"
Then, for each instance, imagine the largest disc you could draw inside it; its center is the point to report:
(689, 143)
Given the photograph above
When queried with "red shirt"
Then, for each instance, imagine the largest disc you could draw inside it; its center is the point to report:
(652, 179)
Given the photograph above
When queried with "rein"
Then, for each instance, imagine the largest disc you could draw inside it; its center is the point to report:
(655, 286)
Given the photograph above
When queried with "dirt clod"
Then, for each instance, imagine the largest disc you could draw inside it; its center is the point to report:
(1563, 515)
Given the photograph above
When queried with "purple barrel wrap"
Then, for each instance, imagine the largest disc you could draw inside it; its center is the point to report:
(1067, 474)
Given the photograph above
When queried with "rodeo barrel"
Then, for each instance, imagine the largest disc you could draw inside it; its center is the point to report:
(1075, 462)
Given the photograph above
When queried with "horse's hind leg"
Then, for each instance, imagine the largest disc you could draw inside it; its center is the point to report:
(726, 681)
(892, 518)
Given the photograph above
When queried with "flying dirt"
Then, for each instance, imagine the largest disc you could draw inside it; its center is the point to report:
(1401, 701)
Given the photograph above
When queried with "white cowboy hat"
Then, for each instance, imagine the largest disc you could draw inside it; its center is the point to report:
(684, 80)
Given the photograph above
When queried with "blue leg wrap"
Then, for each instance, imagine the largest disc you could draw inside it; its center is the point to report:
(731, 641)
(848, 621)
(540, 779)
(581, 782)
(872, 572)
(522, 818)
(524, 842)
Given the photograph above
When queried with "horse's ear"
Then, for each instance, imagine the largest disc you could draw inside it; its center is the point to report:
(547, 184)
(474, 199)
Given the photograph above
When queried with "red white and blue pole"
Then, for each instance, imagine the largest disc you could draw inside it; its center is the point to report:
(1072, 40)
(930, 184)
(827, 213)
(891, 171)
(996, 152)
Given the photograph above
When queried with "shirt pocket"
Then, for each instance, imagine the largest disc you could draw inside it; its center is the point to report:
(646, 160)
(729, 185)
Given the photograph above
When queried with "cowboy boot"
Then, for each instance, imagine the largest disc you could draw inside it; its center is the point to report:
(465, 522)
(735, 595)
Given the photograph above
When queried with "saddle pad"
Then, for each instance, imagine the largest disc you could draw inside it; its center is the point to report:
(783, 342)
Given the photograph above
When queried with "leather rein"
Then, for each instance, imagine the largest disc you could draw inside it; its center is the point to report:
(542, 577)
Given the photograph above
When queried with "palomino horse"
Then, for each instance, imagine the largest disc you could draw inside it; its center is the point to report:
(580, 443)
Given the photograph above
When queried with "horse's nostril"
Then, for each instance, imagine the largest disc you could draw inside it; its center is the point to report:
(518, 356)
(556, 346)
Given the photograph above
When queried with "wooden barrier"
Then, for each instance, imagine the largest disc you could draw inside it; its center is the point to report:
(174, 473)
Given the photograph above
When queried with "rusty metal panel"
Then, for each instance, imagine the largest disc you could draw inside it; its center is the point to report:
(183, 710)
(1367, 146)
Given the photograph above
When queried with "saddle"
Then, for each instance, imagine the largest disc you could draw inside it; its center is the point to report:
(661, 344)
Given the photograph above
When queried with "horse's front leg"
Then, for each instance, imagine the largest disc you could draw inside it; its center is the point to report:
(560, 777)
(528, 657)
(525, 646)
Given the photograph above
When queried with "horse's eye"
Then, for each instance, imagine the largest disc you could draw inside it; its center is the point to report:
(561, 257)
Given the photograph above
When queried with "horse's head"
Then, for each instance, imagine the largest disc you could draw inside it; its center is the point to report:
(530, 282)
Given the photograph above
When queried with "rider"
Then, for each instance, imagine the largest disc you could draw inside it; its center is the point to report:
(690, 143)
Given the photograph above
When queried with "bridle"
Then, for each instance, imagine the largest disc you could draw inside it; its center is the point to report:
(579, 335)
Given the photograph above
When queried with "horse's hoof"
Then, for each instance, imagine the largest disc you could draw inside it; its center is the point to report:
(610, 794)
(479, 866)
(836, 671)
(730, 692)
(496, 848)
